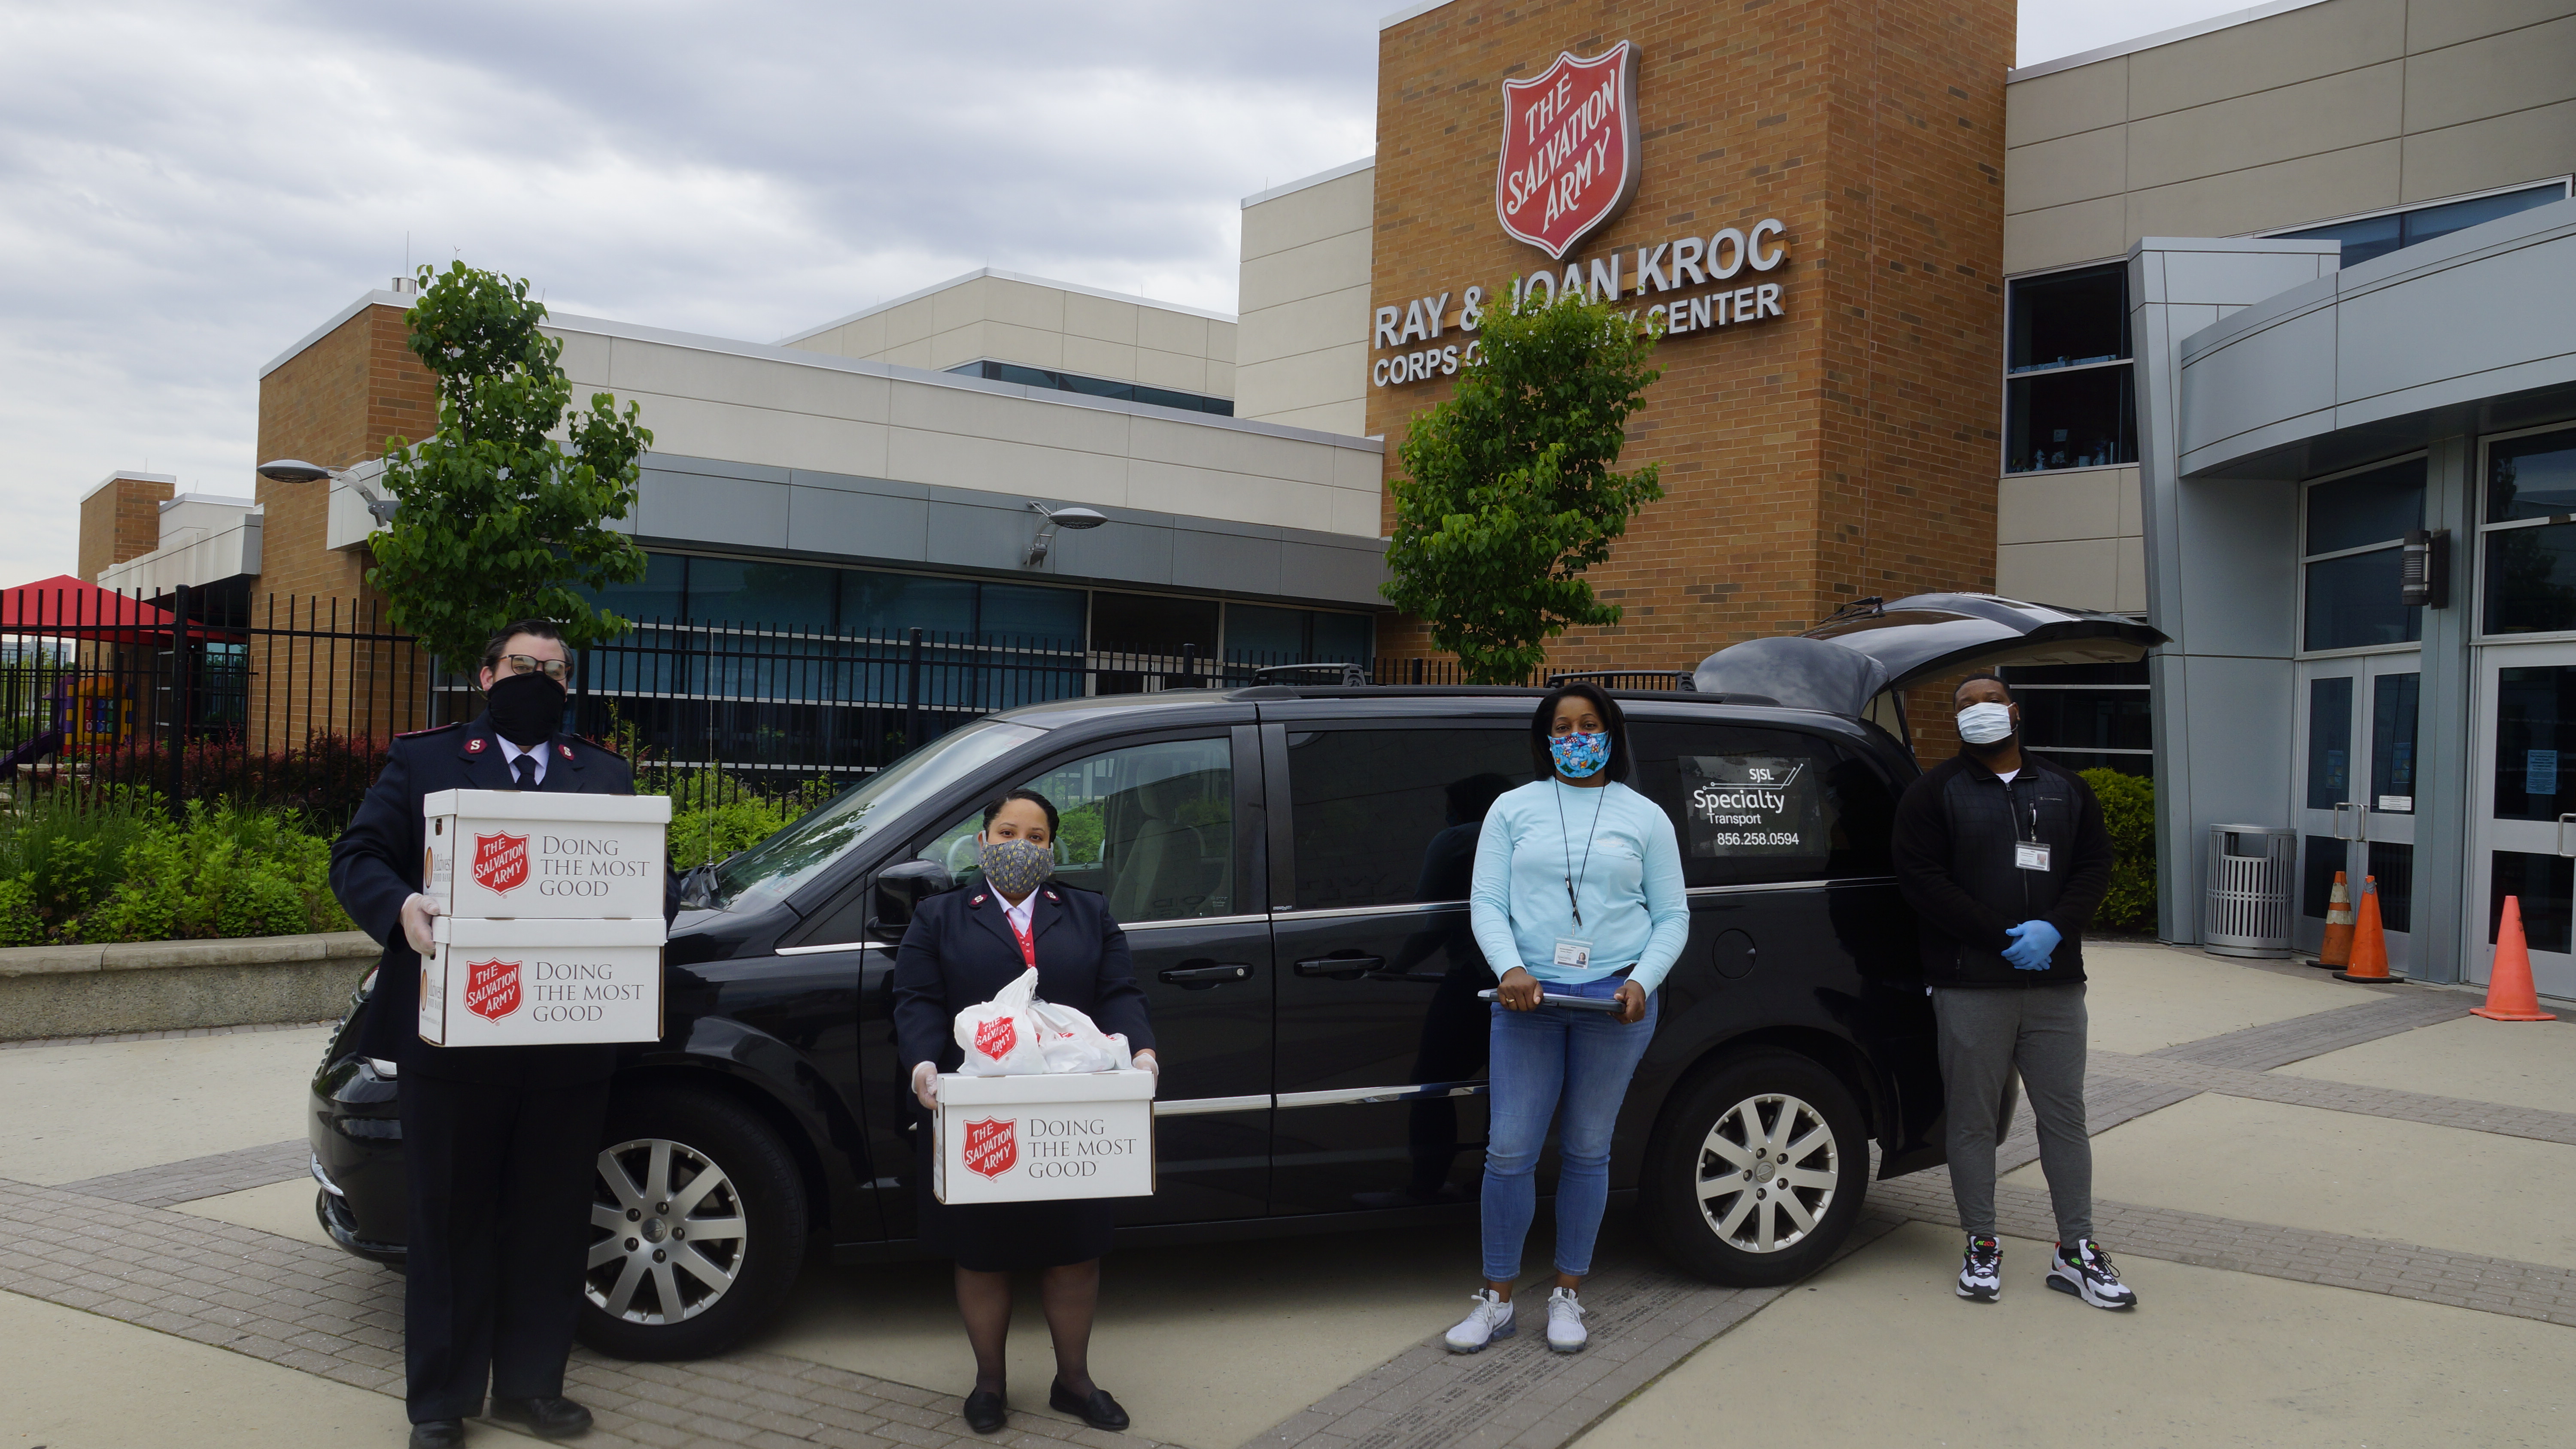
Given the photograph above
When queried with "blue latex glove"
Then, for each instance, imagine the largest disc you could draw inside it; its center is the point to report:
(2034, 942)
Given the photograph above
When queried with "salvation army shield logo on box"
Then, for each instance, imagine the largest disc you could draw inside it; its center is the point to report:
(991, 1147)
(492, 988)
(1570, 155)
(500, 862)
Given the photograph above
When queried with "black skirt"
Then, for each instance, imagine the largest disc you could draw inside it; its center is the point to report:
(1004, 1237)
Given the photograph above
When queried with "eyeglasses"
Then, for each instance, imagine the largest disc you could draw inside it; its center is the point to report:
(555, 669)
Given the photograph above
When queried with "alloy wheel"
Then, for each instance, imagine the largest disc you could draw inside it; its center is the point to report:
(671, 1232)
(1768, 1170)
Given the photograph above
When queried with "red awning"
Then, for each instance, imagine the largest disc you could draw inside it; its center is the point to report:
(63, 607)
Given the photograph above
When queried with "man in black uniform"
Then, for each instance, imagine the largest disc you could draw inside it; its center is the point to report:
(499, 1143)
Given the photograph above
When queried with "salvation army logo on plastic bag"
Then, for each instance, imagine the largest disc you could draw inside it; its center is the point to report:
(996, 1037)
(991, 1147)
(1570, 154)
(500, 862)
(492, 988)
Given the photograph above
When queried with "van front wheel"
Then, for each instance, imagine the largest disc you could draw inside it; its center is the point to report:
(1756, 1176)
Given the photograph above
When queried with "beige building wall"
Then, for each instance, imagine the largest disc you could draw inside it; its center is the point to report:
(2307, 114)
(1304, 349)
(1005, 317)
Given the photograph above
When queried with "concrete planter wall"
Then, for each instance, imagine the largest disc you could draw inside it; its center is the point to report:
(171, 985)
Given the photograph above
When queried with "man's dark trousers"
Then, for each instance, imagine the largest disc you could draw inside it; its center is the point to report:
(499, 1178)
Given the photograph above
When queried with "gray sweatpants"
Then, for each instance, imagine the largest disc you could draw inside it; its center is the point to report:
(1987, 1032)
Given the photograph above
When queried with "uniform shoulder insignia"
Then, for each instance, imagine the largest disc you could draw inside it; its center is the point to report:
(432, 730)
(475, 745)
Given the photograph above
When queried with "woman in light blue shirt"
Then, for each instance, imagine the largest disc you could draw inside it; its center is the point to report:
(1577, 894)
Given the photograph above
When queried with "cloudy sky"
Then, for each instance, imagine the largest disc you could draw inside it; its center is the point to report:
(186, 189)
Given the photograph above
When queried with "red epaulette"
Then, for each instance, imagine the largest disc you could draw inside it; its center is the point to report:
(432, 730)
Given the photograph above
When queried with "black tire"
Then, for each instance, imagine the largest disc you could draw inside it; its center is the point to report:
(1701, 1169)
(752, 1222)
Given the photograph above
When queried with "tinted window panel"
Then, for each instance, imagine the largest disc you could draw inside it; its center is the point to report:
(2546, 887)
(2531, 477)
(656, 596)
(2433, 221)
(2535, 737)
(884, 605)
(2329, 742)
(1149, 826)
(1024, 611)
(2393, 700)
(2372, 237)
(2069, 420)
(1153, 623)
(2071, 318)
(2353, 603)
(787, 596)
(1740, 821)
(1345, 638)
(2531, 580)
(2374, 507)
(1385, 817)
(1264, 635)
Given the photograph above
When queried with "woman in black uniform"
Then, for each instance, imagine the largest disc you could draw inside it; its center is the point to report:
(962, 947)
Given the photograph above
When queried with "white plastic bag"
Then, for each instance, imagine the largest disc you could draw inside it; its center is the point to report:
(1001, 1037)
(1073, 1043)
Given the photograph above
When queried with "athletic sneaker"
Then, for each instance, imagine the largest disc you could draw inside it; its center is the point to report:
(1490, 1319)
(1981, 1272)
(1565, 1330)
(2085, 1271)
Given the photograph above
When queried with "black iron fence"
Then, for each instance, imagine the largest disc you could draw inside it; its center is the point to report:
(291, 701)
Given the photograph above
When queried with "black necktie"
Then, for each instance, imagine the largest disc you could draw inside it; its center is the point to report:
(527, 772)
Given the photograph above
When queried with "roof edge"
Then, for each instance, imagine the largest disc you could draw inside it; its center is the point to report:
(1001, 276)
(140, 477)
(1408, 12)
(2228, 21)
(1336, 173)
(365, 300)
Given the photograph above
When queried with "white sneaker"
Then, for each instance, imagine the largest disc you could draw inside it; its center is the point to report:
(1490, 1319)
(1565, 1330)
(2086, 1272)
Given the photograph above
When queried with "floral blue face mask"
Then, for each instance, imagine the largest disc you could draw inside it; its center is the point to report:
(1579, 756)
(1014, 867)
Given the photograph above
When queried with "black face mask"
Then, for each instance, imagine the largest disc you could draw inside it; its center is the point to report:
(525, 708)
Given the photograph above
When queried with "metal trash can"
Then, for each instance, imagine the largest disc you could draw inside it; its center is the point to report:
(2251, 870)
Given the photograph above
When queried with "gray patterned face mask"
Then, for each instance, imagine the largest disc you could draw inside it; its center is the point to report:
(1014, 867)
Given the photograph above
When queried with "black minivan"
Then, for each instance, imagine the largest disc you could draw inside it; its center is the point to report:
(1291, 866)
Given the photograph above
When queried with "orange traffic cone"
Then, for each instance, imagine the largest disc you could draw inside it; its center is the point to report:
(2336, 952)
(2369, 944)
(2509, 993)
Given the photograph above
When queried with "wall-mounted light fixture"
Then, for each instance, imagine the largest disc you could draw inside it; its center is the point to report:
(296, 470)
(1058, 518)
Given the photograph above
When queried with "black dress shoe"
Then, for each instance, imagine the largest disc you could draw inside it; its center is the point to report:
(1099, 1411)
(550, 1418)
(986, 1411)
(438, 1434)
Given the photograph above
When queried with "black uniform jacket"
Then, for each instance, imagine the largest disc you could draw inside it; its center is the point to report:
(376, 866)
(959, 951)
(1953, 849)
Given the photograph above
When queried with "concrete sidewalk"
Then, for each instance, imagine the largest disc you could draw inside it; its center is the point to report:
(2339, 1204)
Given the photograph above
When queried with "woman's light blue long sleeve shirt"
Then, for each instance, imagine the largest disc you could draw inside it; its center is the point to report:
(1634, 911)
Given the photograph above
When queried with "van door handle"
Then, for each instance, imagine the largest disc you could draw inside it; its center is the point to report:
(1341, 968)
(1202, 978)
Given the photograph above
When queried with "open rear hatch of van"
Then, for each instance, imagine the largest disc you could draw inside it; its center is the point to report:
(1858, 663)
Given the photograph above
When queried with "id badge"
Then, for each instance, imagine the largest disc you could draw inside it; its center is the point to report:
(2031, 854)
(1574, 953)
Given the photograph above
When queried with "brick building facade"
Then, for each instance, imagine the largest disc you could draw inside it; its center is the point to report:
(1841, 449)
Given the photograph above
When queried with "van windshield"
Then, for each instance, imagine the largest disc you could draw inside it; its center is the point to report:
(773, 869)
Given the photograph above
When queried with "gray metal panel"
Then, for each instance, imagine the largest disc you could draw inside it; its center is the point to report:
(991, 535)
(714, 467)
(851, 483)
(1132, 548)
(709, 509)
(1334, 573)
(2497, 324)
(1224, 561)
(2281, 371)
(861, 525)
(2242, 754)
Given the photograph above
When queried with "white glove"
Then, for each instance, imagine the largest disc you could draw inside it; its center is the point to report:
(925, 1083)
(416, 913)
(1145, 1062)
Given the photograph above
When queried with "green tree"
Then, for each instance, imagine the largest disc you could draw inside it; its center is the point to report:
(1511, 490)
(2129, 815)
(498, 521)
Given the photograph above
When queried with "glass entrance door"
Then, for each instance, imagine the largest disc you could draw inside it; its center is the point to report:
(2354, 802)
(2524, 842)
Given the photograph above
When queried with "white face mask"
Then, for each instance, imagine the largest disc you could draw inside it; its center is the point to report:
(1984, 724)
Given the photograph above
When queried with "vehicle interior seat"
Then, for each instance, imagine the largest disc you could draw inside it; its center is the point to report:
(1165, 869)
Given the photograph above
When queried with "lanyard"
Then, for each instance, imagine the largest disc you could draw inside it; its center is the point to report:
(1574, 877)
(1028, 942)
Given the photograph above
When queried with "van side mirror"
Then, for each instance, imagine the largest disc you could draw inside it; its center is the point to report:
(902, 887)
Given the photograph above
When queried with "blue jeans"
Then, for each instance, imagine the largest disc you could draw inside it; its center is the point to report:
(1583, 1058)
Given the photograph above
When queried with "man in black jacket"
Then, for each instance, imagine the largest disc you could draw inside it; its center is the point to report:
(499, 1143)
(2004, 858)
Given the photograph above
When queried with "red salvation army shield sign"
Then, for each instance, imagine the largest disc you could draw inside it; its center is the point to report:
(492, 988)
(500, 862)
(1570, 155)
(991, 1147)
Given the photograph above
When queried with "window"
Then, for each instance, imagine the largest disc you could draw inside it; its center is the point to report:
(2530, 546)
(1257, 635)
(1385, 817)
(1752, 805)
(2377, 236)
(2355, 526)
(1163, 397)
(2067, 398)
(1151, 827)
(2087, 716)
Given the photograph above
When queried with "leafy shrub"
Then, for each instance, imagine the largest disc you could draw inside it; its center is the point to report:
(112, 868)
(2129, 813)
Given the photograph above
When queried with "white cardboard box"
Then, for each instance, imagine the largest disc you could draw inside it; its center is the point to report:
(1032, 1138)
(541, 983)
(522, 853)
